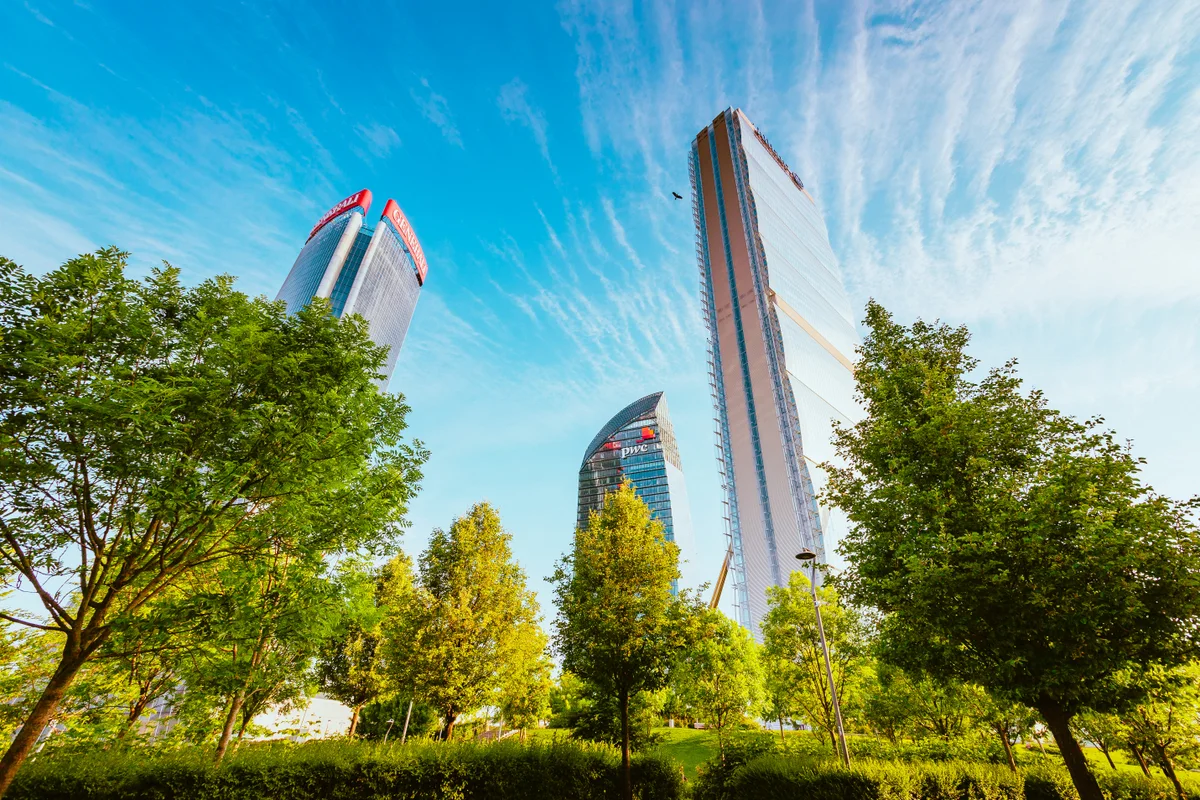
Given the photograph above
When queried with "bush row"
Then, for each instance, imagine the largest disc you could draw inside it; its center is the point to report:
(785, 777)
(345, 770)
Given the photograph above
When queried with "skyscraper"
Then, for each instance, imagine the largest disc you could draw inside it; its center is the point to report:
(638, 443)
(377, 273)
(781, 343)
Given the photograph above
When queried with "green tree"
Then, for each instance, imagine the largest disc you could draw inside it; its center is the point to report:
(350, 666)
(1106, 731)
(1004, 543)
(597, 718)
(470, 619)
(790, 636)
(925, 706)
(566, 695)
(1166, 724)
(525, 684)
(149, 652)
(886, 707)
(898, 705)
(780, 681)
(618, 625)
(148, 430)
(266, 620)
(92, 708)
(719, 675)
(1007, 720)
(385, 718)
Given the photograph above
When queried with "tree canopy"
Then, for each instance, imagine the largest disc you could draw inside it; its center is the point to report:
(149, 430)
(1006, 544)
(792, 646)
(719, 675)
(619, 626)
(470, 621)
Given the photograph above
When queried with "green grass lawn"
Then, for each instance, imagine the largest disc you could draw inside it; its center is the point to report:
(689, 747)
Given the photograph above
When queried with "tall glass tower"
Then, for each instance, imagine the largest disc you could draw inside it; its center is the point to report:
(781, 344)
(377, 273)
(638, 443)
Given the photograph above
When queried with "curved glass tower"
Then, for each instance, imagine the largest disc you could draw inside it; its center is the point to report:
(638, 443)
(377, 273)
(781, 344)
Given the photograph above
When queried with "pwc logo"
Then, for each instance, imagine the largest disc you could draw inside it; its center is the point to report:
(633, 450)
(636, 449)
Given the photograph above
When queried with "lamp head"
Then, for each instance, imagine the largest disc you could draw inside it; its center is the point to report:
(805, 555)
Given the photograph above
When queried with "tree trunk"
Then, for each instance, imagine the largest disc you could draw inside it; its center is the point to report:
(354, 721)
(37, 720)
(781, 729)
(235, 706)
(1137, 751)
(1059, 723)
(1003, 731)
(242, 728)
(1168, 768)
(448, 731)
(1108, 755)
(626, 775)
(135, 713)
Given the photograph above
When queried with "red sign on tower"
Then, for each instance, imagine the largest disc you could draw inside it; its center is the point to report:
(393, 214)
(361, 199)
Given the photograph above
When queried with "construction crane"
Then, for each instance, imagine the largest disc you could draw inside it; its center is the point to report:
(716, 596)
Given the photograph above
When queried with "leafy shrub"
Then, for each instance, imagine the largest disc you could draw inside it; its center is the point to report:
(783, 776)
(1054, 784)
(933, 748)
(764, 770)
(346, 770)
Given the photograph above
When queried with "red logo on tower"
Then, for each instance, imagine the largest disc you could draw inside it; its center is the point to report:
(393, 214)
(361, 199)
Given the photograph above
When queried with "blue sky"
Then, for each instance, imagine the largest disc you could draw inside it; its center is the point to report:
(1031, 170)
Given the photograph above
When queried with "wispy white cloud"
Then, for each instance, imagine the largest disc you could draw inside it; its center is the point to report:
(165, 189)
(436, 109)
(514, 104)
(39, 16)
(1031, 169)
(983, 144)
(380, 139)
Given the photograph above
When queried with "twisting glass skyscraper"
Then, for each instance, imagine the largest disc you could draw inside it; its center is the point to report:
(638, 443)
(377, 274)
(781, 343)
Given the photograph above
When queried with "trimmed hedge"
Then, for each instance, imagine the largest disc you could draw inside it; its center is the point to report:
(784, 777)
(350, 771)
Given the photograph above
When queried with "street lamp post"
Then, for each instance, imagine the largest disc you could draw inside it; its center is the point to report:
(407, 717)
(809, 555)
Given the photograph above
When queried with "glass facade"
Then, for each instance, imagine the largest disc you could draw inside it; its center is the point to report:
(781, 344)
(638, 443)
(317, 256)
(364, 272)
(349, 271)
(385, 291)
